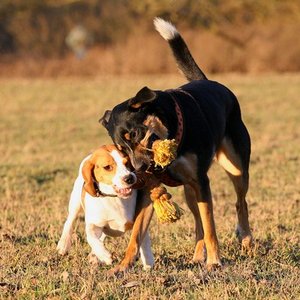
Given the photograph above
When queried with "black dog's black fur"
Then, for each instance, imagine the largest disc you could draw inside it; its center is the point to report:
(211, 114)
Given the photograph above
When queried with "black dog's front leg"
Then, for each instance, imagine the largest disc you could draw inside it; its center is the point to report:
(144, 212)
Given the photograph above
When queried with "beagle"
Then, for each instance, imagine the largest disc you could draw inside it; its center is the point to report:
(104, 190)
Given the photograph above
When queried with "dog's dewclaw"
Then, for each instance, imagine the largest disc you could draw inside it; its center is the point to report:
(166, 210)
(164, 151)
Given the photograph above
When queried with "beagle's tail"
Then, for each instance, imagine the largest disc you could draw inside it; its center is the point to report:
(185, 62)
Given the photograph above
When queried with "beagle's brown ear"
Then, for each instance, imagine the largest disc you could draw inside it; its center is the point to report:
(87, 173)
(145, 95)
(105, 118)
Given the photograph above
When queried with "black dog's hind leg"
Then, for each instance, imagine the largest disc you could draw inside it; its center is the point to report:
(243, 229)
(234, 156)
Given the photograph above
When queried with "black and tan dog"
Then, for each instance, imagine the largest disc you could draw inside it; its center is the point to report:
(205, 119)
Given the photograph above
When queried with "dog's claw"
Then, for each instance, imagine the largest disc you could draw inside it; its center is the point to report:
(213, 266)
(247, 244)
(118, 270)
(213, 263)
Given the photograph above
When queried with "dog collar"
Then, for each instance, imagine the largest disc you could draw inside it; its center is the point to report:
(164, 176)
(101, 194)
(180, 120)
(179, 133)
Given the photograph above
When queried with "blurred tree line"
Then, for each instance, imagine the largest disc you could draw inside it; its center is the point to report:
(40, 27)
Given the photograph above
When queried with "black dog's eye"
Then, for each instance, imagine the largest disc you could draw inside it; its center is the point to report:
(108, 168)
(127, 136)
(138, 133)
(133, 134)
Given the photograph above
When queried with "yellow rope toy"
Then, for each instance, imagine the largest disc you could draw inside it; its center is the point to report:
(164, 151)
(166, 210)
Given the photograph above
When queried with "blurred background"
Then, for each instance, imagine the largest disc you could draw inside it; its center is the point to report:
(94, 37)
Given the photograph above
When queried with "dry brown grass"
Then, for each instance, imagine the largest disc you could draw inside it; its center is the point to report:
(48, 126)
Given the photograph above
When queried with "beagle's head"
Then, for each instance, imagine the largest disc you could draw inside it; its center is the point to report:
(108, 170)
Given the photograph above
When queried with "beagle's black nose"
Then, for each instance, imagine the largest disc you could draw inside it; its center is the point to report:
(129, 179)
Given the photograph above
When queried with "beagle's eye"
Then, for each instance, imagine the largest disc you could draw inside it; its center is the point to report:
(108, 168)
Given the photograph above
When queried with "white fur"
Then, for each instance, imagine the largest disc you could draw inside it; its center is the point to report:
(167, 30)
(122, 171)
(103, 216)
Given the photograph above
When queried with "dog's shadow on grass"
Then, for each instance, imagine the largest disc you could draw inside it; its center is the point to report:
(232, 255)
(178, 263)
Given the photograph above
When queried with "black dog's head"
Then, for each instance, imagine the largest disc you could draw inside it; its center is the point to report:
(134, 125)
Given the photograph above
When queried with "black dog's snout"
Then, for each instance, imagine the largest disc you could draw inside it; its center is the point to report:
(129, 179)
(142, 168)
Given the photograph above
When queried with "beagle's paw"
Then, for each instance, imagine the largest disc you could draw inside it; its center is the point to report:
(64, 245)
(104, 257)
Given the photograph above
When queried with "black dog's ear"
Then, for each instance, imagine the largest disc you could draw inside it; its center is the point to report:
(145, 95)
(105, 119)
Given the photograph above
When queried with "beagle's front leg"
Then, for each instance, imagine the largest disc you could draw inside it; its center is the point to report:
(94, 234)
(143, 215)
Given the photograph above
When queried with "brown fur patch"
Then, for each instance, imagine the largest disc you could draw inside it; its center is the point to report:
(229, 159)
(155, 126)
(128, 225)
(104, 168)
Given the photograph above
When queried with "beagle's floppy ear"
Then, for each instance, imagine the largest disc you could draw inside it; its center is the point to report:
(105, 118)
(145, 95)
(87, 173)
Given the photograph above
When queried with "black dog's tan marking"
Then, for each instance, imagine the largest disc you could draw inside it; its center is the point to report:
(212, 130)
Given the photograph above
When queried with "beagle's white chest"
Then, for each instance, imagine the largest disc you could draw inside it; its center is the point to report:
(111, 213)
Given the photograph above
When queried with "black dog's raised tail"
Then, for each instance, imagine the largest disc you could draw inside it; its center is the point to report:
(185, 62)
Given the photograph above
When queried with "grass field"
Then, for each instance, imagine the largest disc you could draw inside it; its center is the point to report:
(48, 126)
